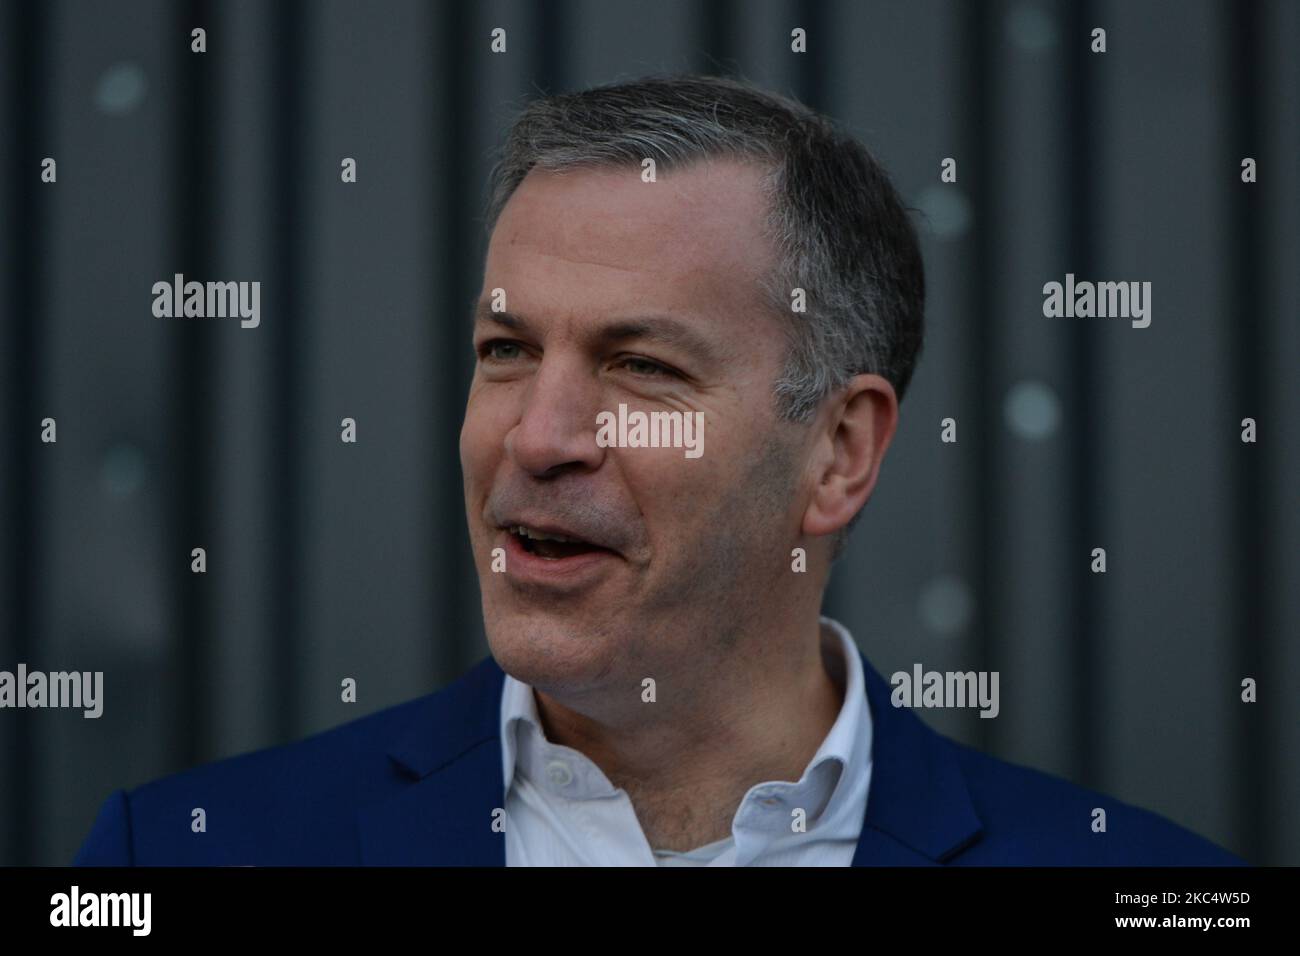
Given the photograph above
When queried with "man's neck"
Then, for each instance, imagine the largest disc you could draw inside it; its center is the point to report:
(687, 770)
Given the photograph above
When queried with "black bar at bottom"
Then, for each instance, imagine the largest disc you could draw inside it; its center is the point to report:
(331, 905)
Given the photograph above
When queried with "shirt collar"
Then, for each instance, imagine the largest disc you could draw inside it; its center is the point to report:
(555, 768)
(831, 790)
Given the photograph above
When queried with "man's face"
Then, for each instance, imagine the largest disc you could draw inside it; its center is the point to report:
(619, 291)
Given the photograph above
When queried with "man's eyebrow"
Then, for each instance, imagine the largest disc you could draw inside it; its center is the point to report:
(661, 328)
(483, 312)
(652, 328)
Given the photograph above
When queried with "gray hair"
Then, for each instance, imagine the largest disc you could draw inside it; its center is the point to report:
(836, 223)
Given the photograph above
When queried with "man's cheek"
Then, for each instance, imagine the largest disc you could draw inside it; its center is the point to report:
(470, 438)
(482, 440)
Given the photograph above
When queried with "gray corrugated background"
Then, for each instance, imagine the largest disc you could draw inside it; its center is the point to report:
(329, 560)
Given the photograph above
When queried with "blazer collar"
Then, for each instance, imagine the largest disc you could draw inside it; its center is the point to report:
(449, 759)
(919, 809)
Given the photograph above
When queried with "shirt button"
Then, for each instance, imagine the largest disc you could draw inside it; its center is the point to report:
(559, 773)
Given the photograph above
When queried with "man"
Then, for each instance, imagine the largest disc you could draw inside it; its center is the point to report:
(662, 688)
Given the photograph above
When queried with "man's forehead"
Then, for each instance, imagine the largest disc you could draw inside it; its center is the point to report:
(701, 218)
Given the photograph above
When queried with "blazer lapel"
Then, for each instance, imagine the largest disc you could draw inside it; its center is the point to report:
(450, 782)
(919, 809)
(448, 762)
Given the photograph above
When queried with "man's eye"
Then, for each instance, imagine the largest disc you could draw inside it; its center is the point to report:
(493, 350)
(644, 367)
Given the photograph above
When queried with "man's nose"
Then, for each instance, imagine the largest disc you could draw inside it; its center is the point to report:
(557, 426)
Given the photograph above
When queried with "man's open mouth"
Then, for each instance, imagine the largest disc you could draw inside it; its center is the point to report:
(553, 546)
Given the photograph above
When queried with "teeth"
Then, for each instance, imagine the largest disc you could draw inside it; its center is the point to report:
(541, 535)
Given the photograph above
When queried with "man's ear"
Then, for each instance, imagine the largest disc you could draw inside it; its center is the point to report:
(854, 435)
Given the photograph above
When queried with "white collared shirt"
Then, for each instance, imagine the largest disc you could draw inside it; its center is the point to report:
(561, 809)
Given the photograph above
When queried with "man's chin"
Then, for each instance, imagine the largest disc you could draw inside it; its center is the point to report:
(554, 656)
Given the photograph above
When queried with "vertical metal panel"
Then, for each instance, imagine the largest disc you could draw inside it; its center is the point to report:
(23, 211)
(368, 530)
(977, 495)
(914, 531)
(1280, 778)
(1028, 176)
(1165, 463)
(612, 41)
(14, 452)
(751, 35)
(243, 416)
(1247, 267)
(461, 144)
(550, 42)
(814, 68)
(1083, 190)
(291, 342)
(194, 105)
(718, 30)
(102, 588)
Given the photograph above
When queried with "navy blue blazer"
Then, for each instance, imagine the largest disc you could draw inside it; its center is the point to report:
(417, 783)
